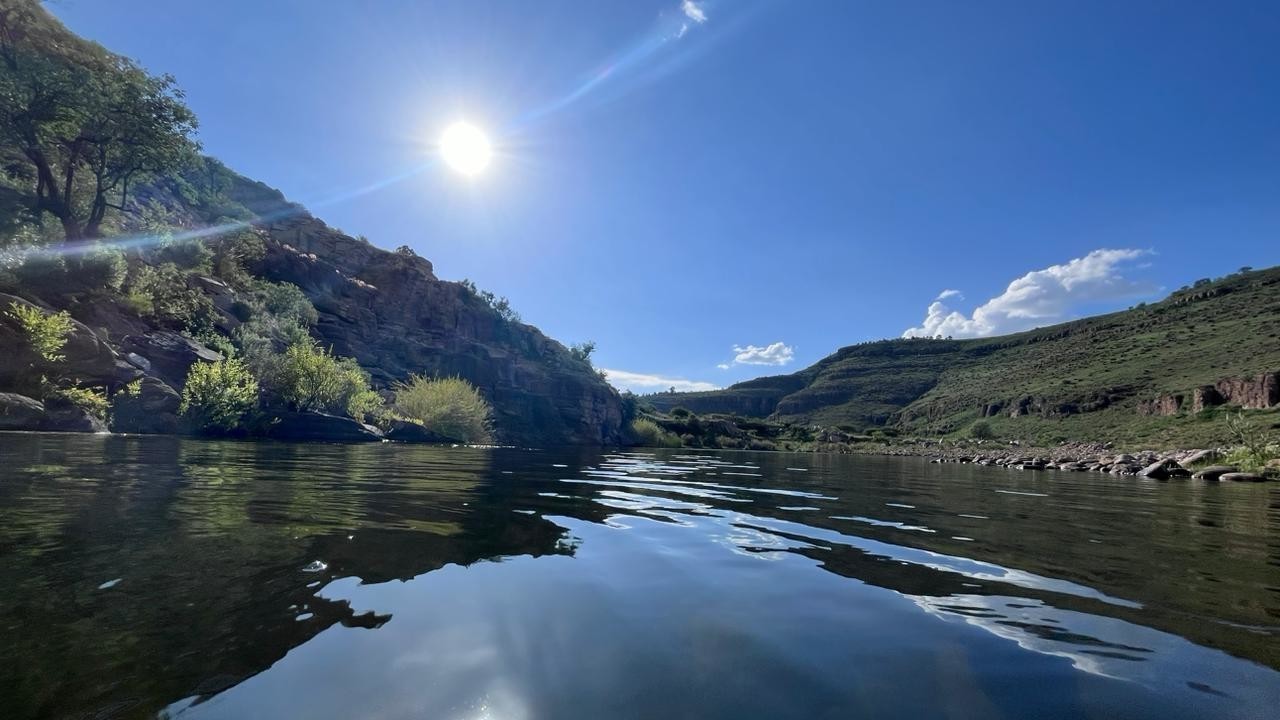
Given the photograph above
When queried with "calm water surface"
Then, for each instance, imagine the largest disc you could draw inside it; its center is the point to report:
(145, 577)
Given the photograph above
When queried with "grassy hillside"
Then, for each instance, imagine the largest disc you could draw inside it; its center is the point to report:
(1092, 379)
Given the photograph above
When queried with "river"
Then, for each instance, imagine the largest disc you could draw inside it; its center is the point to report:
(163, 577)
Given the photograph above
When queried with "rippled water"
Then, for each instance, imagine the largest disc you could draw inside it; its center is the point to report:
(154, 576)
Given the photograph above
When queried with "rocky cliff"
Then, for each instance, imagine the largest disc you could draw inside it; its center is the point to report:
(390, 312)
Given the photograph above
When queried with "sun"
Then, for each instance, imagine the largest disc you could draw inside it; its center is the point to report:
(465, 148)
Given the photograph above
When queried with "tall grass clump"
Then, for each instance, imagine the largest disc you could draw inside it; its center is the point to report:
(647, 433)
(450, 407)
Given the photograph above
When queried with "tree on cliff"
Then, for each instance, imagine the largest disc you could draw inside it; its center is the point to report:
(88, 123)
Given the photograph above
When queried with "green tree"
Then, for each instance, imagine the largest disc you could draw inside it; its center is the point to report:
(88, 122)
(450, 407)
(218, 395)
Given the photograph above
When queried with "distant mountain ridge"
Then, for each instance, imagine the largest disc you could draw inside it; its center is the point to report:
(1139, 371)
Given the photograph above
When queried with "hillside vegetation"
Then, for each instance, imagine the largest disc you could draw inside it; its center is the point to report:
(1157, 373)
(157, 266)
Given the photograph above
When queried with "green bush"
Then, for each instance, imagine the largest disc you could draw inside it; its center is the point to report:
(234, 252)
(162, 292)
(101, 268)
(218, 395)
(981, 430)
(46, 333)
(286, 301)
(680, 412)
(451, 407)
(647, 433)
(89, 400)
(186, 254)
(309, 378)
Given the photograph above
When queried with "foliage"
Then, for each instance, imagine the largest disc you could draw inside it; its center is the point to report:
(46, 333)
(162, 292)
(680, 412)
(500, 305)
(309, 378)
(190, 254)
(234, 252)
(647, 433)
(89, 123)
(1255, 445)
(93, 402)
(218, 395)
(981, 430)
(582, 351)
(102, 267)
(450, 407)
(284, 300)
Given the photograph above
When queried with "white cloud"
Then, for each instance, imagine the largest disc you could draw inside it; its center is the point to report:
(643, 383)
(948, 294)
(778, 353)
(693, 11)
(723, 366)
(1040, 297)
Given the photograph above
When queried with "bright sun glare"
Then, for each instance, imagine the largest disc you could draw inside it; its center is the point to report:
(465, 148)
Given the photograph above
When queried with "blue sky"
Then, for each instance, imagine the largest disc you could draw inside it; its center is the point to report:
(714, 191)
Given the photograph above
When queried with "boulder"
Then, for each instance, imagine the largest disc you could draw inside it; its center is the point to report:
(408, 432)
(1241, 477)
(153, 409)
(19, 412)
(322, 427)
(1160, 469)
(169, 354)
(1214, 472)
(88, 358)
(1199, 456)
(64, 416)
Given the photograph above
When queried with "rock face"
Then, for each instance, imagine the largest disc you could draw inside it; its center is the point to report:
(63, 416)
(401, 431)
(390, 312)
(153, 409)
(19, 412)
(167, 354)
(88, 358)
(321, 427)
(1254, 392)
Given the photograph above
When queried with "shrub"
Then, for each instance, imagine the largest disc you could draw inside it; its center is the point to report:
(286, 301)
(981, 430)
(451, 407)
(232, 254)
(91, 401)
(218, 395)
(582, 351)
(46, 333)
(1255, 446)
(162, 292)
(680, 412)
(102, 267)
(308, 378)
(186, 254)
(647, 433)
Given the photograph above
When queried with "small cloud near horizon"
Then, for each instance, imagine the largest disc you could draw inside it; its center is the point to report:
(646, 383)
(1041, 297)
(778, 353)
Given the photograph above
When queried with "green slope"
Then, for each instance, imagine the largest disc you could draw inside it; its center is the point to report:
(1085, 379)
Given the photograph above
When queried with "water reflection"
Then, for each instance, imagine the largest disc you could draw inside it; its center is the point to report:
(202, 579)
